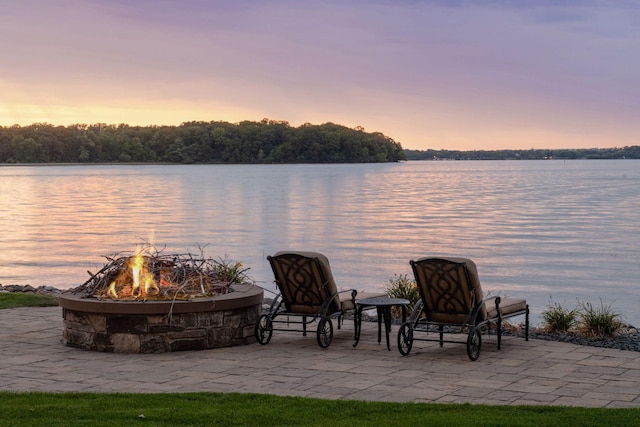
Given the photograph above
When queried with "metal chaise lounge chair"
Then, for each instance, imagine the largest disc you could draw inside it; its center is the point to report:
(452, 302)
(308, 293)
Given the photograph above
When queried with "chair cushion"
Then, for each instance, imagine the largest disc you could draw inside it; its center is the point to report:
(346, 303)
(507, 306)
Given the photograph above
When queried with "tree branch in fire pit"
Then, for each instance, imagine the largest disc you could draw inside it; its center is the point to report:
(150, 275)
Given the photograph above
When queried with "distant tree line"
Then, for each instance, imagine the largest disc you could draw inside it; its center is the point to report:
(266, 141)
(632, 152)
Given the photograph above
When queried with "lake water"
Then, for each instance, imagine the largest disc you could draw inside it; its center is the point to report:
(536, 229)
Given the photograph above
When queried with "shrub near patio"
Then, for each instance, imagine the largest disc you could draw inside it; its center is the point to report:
(585, 320)
(559, 319)
(401, 286)
(588, 325)
(599, 322)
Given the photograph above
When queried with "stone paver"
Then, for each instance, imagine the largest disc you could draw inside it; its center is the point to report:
(33, 358)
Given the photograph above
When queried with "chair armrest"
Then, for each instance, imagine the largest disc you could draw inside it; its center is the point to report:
(417, 309)
(473, 316)
(497, 300)
(275, 304)
(325, 306)
(348, 301)
(353, 293)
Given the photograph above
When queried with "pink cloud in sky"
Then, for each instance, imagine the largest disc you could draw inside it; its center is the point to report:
(430, 74)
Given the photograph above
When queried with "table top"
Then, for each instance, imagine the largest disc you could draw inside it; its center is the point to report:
(381, 301)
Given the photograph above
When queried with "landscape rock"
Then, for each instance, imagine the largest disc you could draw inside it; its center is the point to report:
(50, 290)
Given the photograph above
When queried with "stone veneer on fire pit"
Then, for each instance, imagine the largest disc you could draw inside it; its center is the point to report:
(161, 326)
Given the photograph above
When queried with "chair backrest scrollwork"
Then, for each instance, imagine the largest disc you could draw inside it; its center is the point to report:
(449, 287)
(305, 281)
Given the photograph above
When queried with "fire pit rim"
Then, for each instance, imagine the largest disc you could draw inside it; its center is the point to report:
(239, 297)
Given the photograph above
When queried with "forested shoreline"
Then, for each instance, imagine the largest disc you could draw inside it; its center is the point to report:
(267, 141)
(632, 152)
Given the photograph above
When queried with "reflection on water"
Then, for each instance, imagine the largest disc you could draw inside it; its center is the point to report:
(566, 230)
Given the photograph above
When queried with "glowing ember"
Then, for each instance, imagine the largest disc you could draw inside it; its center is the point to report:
(135, 281)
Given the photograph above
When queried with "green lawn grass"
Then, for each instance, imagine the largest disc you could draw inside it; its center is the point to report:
(26, 299)
(235, 409)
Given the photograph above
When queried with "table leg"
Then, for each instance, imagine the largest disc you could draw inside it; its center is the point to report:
(380, 316)
(387, 324)
(358, 324)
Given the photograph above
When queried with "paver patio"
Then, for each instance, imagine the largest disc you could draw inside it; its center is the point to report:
(33, 358)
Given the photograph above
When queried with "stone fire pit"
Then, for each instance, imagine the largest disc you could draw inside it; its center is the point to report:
(161, 326)
(152, 303)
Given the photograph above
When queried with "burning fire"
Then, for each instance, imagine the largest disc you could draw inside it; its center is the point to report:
(135, 281)
(150, 275)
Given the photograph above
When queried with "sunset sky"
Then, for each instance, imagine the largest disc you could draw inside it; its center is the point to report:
(428, 73)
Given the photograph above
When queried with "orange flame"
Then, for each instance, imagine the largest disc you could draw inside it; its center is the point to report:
(112, 290)
(135, 281)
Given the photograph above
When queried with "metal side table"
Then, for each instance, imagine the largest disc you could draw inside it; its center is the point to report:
(383, 307)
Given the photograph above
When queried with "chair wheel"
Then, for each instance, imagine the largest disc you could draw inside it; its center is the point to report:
(474, 342)
(405, 338)
(264, 329)
(325, 332)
